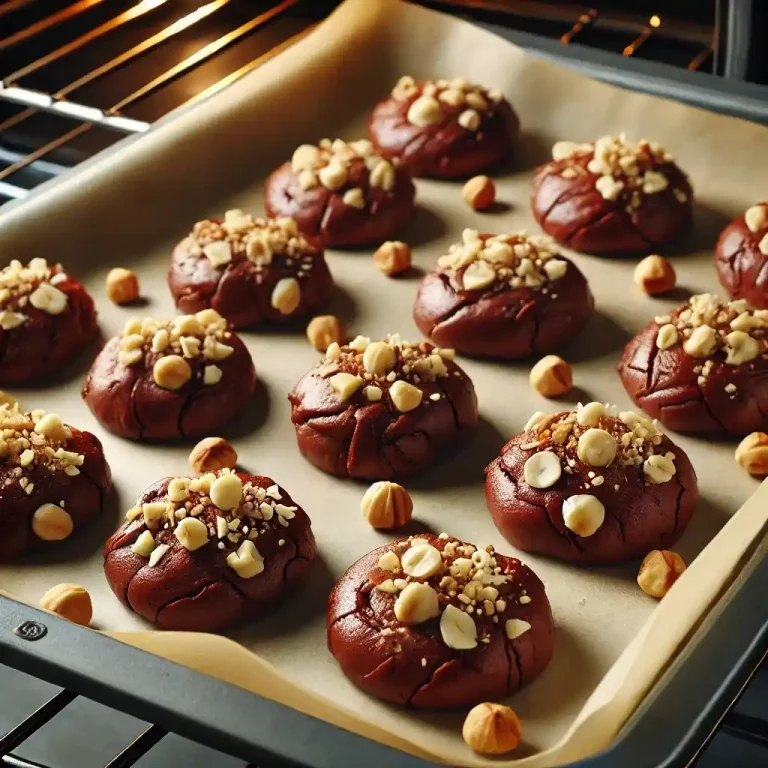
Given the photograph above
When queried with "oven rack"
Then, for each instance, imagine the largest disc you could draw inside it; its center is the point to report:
(82, 125)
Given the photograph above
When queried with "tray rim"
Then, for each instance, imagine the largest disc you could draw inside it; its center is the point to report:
(91, 681)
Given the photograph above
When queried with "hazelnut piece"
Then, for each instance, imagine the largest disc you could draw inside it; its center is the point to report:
(479, 193)
(491, 729)
(324, 330)
(416, 603)
(52, 523)
(392, 257)
(458, 629)
(171, 372)
(212, 454)
(122, 286)
(551, 376)
(659, 571)
(654, 274)
(226, 491)
(659, 469)
(596, 447)
(191, 533)
(752, 453)
(386, 505)
(583, 514)
(405, 397)
(345, 385)
(247, 561)
(69, 601)
(286, 295)
(421, 561)
(542, 470)
(379, 358)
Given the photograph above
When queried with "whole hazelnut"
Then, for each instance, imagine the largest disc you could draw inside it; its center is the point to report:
(392, 257)
(551, 376)
(386, 505)
(659, 571)
(654, 274)
(171, 372)
(479, 193)
(122, 286)
(212, 454)
(69, 601)
(752, 453)
(324, 330)
(492, 729)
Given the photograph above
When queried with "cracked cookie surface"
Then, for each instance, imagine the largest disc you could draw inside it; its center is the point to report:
(507, 296)
(432, 622)
(383, 409)
(592, 486)
(185, 563)
(165, 380)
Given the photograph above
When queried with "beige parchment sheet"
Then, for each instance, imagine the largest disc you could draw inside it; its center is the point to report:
(129, 208)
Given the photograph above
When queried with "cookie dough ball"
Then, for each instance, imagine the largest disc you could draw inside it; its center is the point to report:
(54, 479)
(46, 318)
(251, 271)
(506, 296)
(343, 193)
(381, 410)
(172, 379)
(207, 552)
(591, 486)
(741, 256)
(702, 368)
(612, 196)
(446, 129)
(432, 622)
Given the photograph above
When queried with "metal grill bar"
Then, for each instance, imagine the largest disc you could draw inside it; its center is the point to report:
(191, 61)
(14, 5)
(51, 21)
(138, 748)
(36, 720)
(11, 761)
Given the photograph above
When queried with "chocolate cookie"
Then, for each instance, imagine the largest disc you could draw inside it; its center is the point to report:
(703, 368)
(741, 256)
(591, 486)
(612, 196)
(383, 409)
(431, 622)
(205, 553)
(46, 318)
(444, 129)
(342, 193)
(503, 296)
(54, 479)
(251, 271)
(170, 379)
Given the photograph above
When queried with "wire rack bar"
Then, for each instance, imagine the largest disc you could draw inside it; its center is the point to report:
(138, 748)
(53, 20)
(190, 62)
(14, 5)
(36, 720)
(12, 761)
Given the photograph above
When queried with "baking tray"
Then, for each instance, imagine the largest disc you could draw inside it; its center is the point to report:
(132, 186)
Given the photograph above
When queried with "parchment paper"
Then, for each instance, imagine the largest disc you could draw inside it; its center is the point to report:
(130, 208)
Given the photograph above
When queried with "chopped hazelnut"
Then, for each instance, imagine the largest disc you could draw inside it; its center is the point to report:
(542, 470)
(654, 274)
(171, 372)
(514, 628)
(212, 454)
(227, 491)
(421, 560)
(702, 342)
(424, 111)
(345, 385)
(752, 454)
(659, 571)
(144, 545)
(583, 514)
(479, 193)
(324, 330)
(69, 601)
(392, 257)
(386, 505)
(416, 603)
(596, 447)
(52, 523)
(48, 298)
(379, 358)
(286, 295)
(756, 218)
(551, 376)
(246, 562)
(469, 119)
(659, 469)
(667, 336)
(122, 286)
(405, 397)
(478, 275)
(491, 729)
(458, 629)
(191, 533)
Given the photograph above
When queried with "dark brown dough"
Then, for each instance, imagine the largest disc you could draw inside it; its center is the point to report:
(469, 128)
(741, 256)
(645, 506)
(341, 193)
(411, 663)
(126, 399)
(198, 590)
(366, 435)
(704, 393)
(261, 272)
(46, 318)
(572, 203)
(67, 470)
(517, 310)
